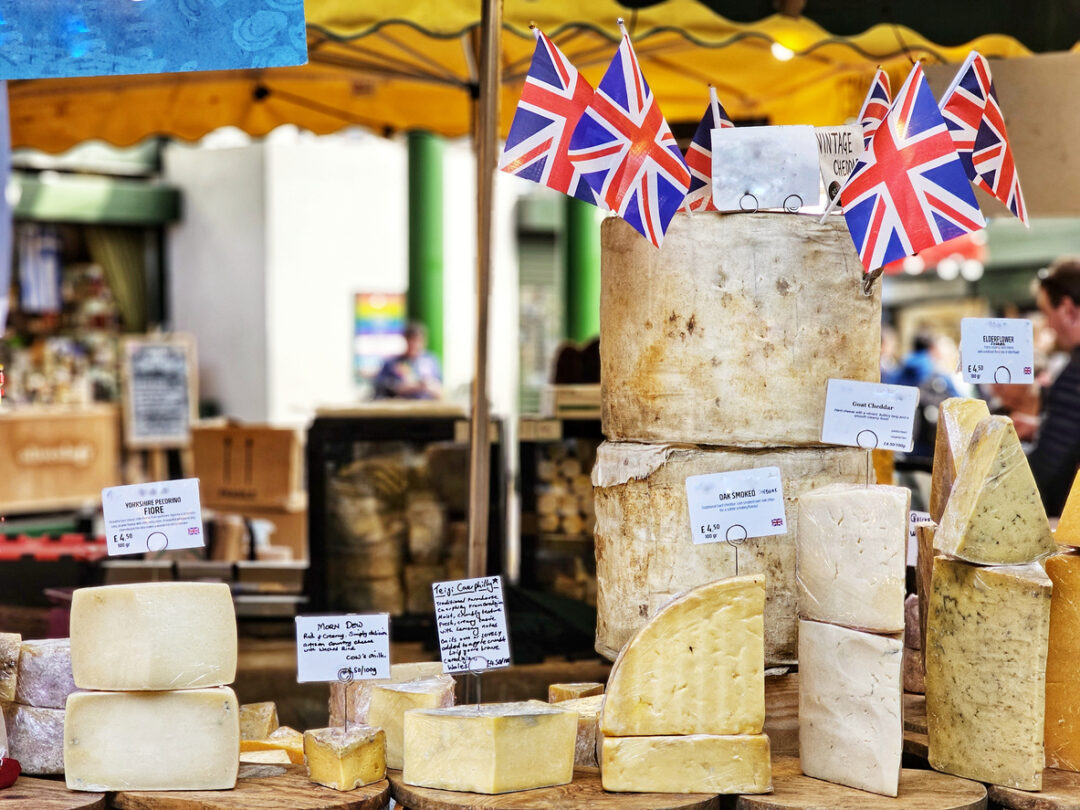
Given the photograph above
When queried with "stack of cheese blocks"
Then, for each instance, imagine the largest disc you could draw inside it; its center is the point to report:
(158, 657)
(988, 611)
(851, 576)
(685, 703)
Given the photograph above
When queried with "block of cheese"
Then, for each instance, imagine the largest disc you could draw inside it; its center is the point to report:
(1062, 670)
(851, 695)
(697, 667)
(10, 644)
(1067, 532)
(183, 740)
(852, 544)
(995, 515)
(35, 738)
(258, 720)
(44, 678)
(924, 569)
(344, 760)
(491, 748)
(957, 418)
(986, 643)
(569, 691)
(153, 636)
(645, 555)
(390, 701)
(914, 673)
(359, 692)
(282, 738)
(274, 757)
(728, 335)
(694, 763)
(588, 730)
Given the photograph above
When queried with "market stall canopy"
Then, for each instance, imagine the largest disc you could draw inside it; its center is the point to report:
(395, 65)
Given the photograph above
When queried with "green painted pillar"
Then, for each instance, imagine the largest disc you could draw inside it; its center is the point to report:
(424, 301)
(581, 266)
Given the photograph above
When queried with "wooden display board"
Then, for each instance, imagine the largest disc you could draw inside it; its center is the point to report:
(29, 793)
(1060, 791)
(160, 400)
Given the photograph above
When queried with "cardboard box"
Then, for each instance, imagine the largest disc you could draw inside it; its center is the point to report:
(290, 531)
(245, 466)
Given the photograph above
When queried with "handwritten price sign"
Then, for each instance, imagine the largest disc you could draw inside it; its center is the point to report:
(471, 615)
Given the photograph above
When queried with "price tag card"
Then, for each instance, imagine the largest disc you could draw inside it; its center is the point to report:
(471, 616)
(870, 415)
(1000, 350)
(915, 519)
(342, 648)
(736, 505)
(153, 517)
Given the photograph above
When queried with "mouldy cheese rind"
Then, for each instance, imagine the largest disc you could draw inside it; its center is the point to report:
(957, 419)
(35, 738)
(44, 678)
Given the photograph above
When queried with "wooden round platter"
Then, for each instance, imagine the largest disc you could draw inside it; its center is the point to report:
(1060, 791)
(29, 793)
(260, 787)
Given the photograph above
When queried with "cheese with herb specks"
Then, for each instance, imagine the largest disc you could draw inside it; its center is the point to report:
(957, 418)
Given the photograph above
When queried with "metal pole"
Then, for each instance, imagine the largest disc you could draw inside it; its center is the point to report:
(486, 140)
(425, 297)
(581, 267)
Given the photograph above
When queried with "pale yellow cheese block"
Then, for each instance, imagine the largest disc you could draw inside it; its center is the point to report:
(282, 738)
(696, 668)
(390, 701)
(359, 692)
(558, 692)
(345, 760)
(10, 643)
(258, 720)
(1068, 527)
(586, 749)
(184, 740)
(986, 644)
(274, 757)
(492, 748)
(1063, 664)
(995, 515)
(957, 418)
(153, 636)
(695, 763)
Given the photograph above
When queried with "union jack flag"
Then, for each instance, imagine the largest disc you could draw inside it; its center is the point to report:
(626, 152)
(909, 191)
(876, 106)
(973, 115)
(552, 101)
(699, 156)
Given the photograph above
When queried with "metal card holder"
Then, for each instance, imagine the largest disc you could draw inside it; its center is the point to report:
(760, 168)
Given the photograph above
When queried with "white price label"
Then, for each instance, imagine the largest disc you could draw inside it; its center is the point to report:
(733, 506)
(870, 415)
(915, 519)
(1000, 350)
(471, 616)
(342, 648)
(153, 517)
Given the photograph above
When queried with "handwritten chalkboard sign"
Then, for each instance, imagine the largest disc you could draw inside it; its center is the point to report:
(159, 391)
(471, 616)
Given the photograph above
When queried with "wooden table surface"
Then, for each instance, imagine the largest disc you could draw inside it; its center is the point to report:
(29, 793)
(1060, 791)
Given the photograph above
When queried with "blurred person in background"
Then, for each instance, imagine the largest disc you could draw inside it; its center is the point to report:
(412, 375)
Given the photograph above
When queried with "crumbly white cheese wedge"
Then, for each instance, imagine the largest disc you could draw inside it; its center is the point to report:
(491, 748)
(694, 763)
(10, 644)
(258, 720)
(588, 730)
(558, 692)
(851, 544)
(44, 678)
(986, 644)
(851, 694)
(696, 668)
(390, 701)
(995, 515)
(1067, 532)
(359, 692)
(345, 759)
(153, 636)
(184, 740)
(35, 738)
(957, 418)
(1063, 664)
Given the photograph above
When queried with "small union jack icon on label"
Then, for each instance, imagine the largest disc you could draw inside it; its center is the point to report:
(194, 530)
(1027, 369)
(777, 521)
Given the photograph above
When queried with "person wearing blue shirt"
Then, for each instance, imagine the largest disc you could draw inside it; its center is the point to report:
(412, 375)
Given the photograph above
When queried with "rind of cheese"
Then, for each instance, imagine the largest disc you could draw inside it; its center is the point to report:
(359, 692)
(851, 695)
(995, 515)
(10, 644)
(274, 757)
(558, 692)
(851, 547)
(258, 720)
(390, 701)
(183, 740)
(694, 763)
(697, 667)
(645, 555)
(912, 639)
(986, 644)
(153, 636)
(1067, 532)
(283, 738)
(491, 748)
(1062, 670)
(914, 674)
(588, 730)
(35, 738)
(924, 570)
(345, 759)
(44, 678)
(957, 419)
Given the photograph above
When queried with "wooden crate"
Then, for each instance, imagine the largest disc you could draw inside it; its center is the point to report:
(573, 401)
(57, 458)
(245, 466)
(290, 529)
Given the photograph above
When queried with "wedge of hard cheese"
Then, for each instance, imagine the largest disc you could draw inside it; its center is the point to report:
(1067, 532)
(357, 695)
(850, 707)
(995, 515)
(186, 740)
(957, 418)
(986, 643)
(570, 691)
(345, 759)
(390, 701)
(694, 763)
(282, 738)
(924, 571)
(10, 644)
(258, 720)
(697, 667)
(1063, 664)
(588, 730)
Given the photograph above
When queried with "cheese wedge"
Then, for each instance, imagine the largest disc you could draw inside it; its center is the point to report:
(390, 701)
(957, 418)
(697, 667)
(1063, 664)
(258, 720)
(153, 636)
(344, 760)
(995, 515)
(851, 547)
(44, 678)
(569, 691)
(694, 763)
(1068, 527)
(851, 695)
(924, 570)
(282, 738)
(10, 644)
(586, 749)
(275, 757)
(185, 740)
(359, 692)
(491, 748)
(35, 738)
(986, 644)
